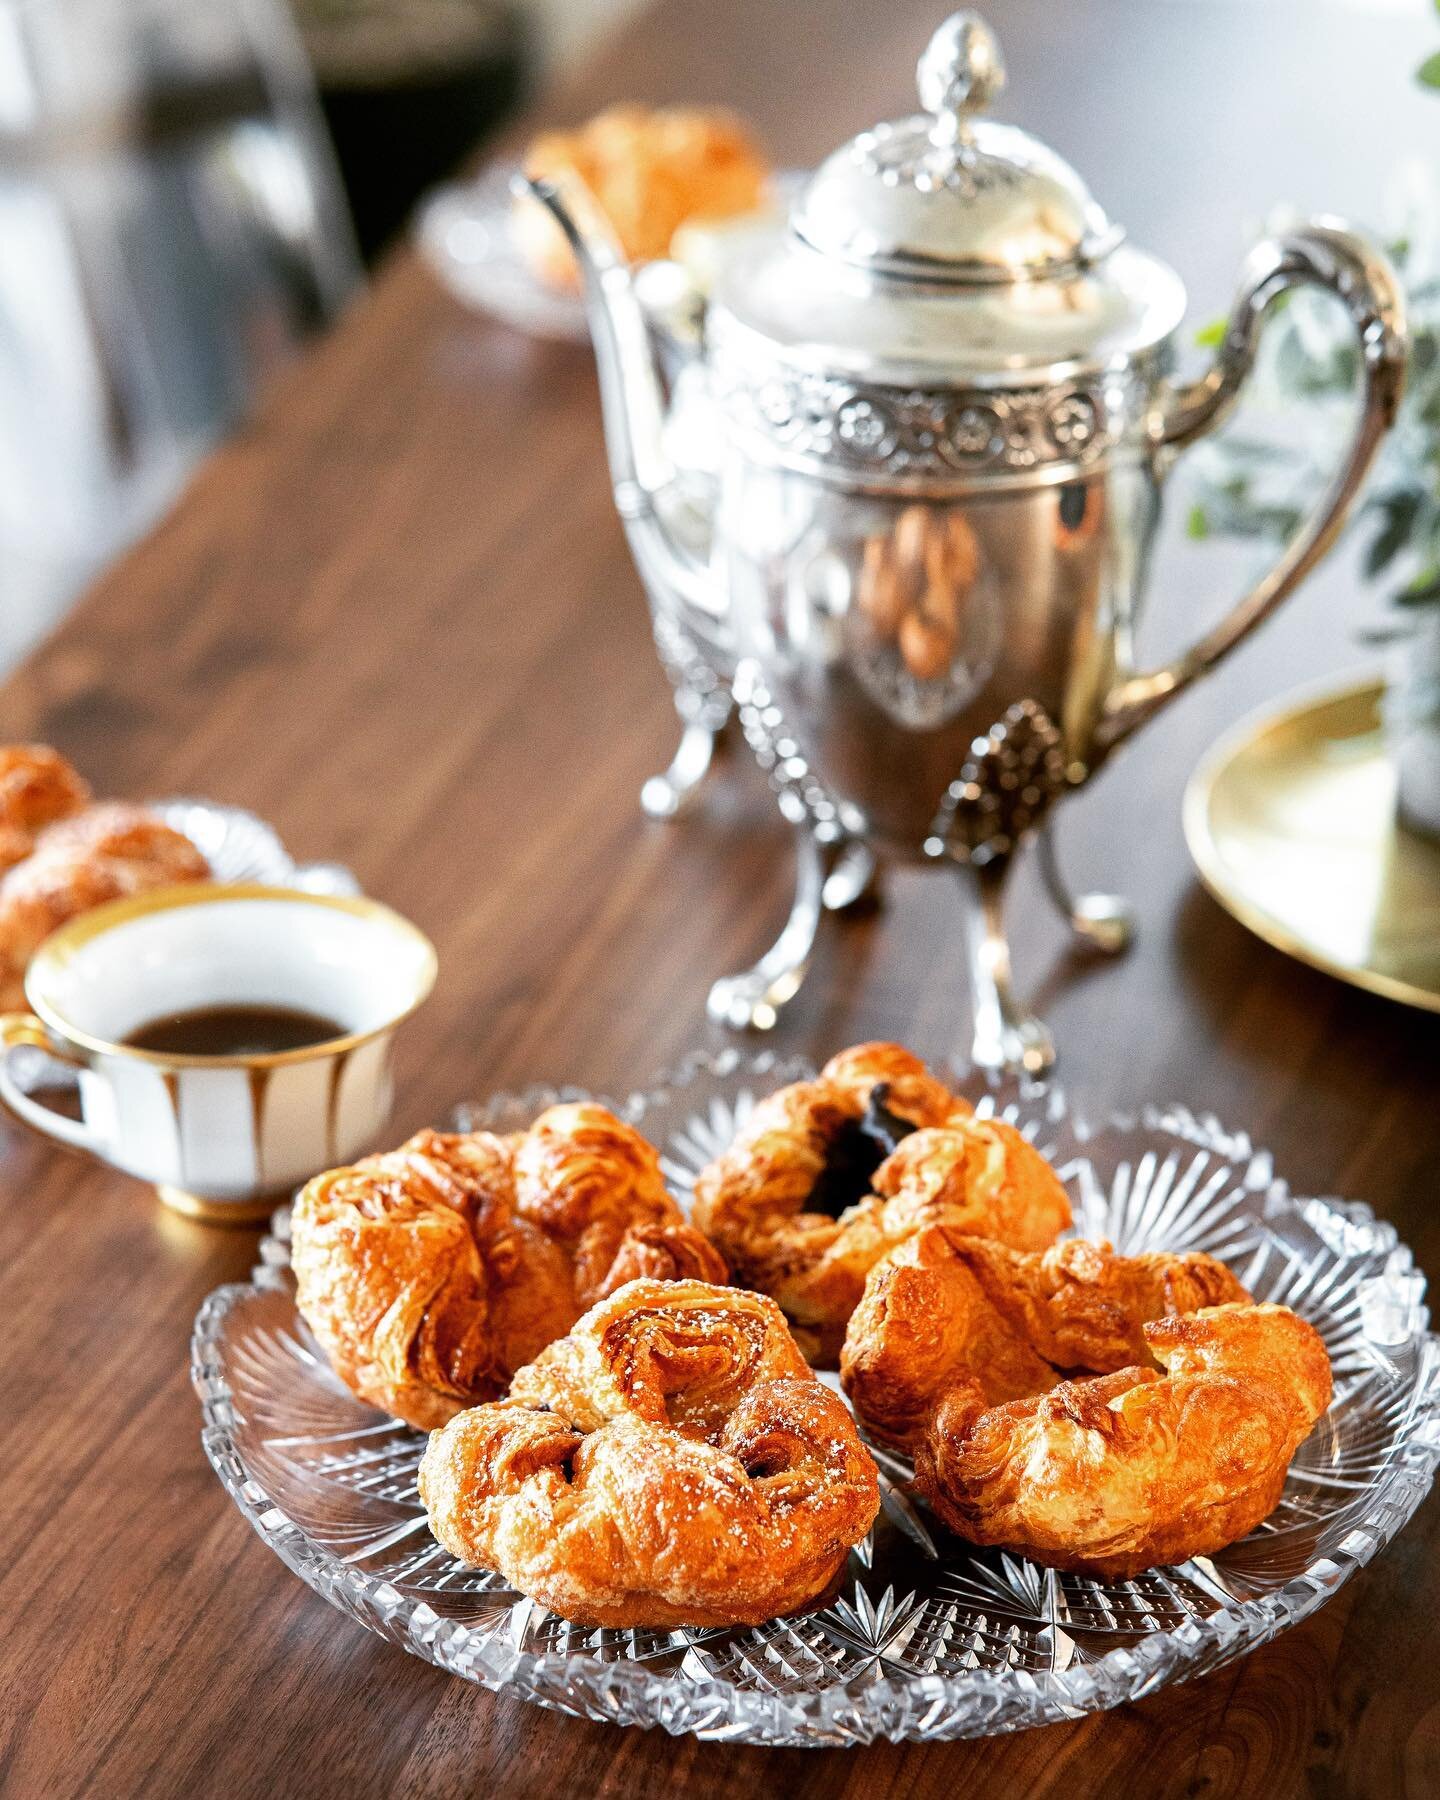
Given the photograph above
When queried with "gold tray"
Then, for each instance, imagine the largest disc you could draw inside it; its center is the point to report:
(1291, 821)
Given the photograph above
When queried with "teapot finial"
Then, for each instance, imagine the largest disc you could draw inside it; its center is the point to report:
(960, 73)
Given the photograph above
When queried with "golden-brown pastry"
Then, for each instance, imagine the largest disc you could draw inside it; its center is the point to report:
(431, 1273)
(425, 1289)
(649, 172)
(980, 1177)
(123, 832)
(103, 853)
(37, 787)
(801, 1211)
(1121, 1472)
(593, 1184)
(943, 1308)
(673, 1461)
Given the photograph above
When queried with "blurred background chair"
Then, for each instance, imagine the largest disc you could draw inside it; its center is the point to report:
(189, 189)
(171, 227)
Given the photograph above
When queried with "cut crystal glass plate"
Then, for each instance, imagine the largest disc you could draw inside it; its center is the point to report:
(927, 1637)
(240, 847)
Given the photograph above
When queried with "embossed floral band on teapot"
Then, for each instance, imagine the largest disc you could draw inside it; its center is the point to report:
(945, 410)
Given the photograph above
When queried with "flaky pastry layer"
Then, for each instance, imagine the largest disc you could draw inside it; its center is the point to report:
(102, 852)
(672, 1461)
(1145, 1466)
(431, 1273)
(944, 1308)
(753, 1201)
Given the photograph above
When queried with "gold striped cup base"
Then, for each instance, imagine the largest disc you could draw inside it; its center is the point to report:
(219, 1212)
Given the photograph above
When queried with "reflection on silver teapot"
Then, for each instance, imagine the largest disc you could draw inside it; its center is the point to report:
(943, 412)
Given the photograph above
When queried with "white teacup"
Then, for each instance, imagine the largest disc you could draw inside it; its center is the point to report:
(221, 1136)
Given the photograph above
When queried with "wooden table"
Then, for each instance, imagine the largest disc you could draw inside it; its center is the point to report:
(396, 616)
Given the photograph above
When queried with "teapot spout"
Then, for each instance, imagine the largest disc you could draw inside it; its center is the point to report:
(671, 554)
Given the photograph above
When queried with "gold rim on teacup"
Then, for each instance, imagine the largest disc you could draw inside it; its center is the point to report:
(243, 1127)
(62, 945)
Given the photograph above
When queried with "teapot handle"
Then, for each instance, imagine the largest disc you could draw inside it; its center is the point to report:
(1322, 254)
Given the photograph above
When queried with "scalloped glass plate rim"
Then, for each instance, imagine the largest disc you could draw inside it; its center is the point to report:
(249, 848)
(850, 1712)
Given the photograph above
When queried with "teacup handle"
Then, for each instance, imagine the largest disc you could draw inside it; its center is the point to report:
(1322, 254)
(17, 1029)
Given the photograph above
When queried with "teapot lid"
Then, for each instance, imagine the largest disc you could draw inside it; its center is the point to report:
(943, 249)
(949, 197)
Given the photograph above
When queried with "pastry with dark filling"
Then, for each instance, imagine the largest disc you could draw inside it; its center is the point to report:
(828, 1175)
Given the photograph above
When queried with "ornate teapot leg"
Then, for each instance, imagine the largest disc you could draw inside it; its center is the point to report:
(1007, 1038)
(752, 1000)
(854, 876)
(702, 699)
(1104, 921)
(834, 869)
(667, 795)
(1001, 797)
(830, 876)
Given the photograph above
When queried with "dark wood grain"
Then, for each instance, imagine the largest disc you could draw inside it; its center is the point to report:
(396, 616)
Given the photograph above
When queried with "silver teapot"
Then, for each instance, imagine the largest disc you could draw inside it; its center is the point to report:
(943, 411)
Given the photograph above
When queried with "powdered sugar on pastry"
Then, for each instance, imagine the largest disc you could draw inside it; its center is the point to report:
(674, 1461)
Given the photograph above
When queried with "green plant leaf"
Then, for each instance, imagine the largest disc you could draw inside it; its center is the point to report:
(1424, 590)
(1211, 336)
(1399, 512)
(1428, 74)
